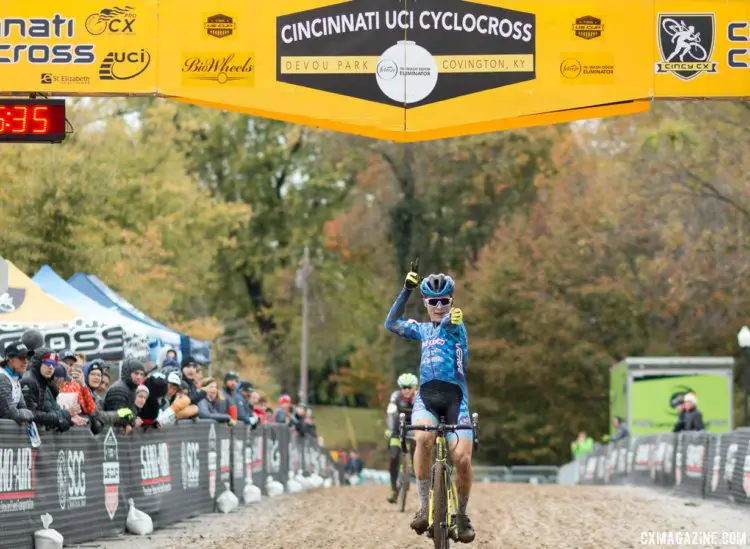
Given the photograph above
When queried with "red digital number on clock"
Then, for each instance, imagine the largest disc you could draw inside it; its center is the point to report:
(30, 120)
(33, 119)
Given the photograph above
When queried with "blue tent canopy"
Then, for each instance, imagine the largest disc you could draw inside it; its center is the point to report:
(57, 287)
(93, 287)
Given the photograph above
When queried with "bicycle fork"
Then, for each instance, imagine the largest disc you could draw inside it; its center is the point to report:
(442, 459)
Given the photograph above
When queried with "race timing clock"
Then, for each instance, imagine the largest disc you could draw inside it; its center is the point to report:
(32, 120)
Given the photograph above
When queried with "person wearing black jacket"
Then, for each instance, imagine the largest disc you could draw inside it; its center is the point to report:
(690, 418)
(188, 371)
(92, 375)
(157, 386)
(297, 419)
(36, 386)
(121, 394)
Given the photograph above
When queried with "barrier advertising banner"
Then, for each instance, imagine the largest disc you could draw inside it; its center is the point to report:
(692, 464)
(174, 473)
(393, 69)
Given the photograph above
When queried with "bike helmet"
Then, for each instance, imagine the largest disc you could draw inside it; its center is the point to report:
(407, 380)
(437, 285)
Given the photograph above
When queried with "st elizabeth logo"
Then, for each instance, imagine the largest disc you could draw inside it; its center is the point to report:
(686, 44)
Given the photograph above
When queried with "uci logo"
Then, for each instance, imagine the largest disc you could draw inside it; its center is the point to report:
(111, 20)
(124, 65)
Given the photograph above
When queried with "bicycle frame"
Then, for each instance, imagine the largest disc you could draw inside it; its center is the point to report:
(441, 445)
(442, 463)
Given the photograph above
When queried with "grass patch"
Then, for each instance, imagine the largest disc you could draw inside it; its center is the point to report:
(365, 426)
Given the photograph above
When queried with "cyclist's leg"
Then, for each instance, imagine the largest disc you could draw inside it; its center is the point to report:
(422, 461)
(461, 445)
(394, 455)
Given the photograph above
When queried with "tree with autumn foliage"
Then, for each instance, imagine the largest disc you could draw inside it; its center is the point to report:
(636, 246)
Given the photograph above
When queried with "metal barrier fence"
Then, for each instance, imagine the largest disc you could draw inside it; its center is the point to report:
(173, 473)
(536, 474)
(692, 464)
(541, 474)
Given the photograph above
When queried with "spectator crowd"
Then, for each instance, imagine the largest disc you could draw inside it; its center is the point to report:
(58, 391)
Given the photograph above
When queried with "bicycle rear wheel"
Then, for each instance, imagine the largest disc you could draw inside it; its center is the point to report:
(405, 480)
(439, 507)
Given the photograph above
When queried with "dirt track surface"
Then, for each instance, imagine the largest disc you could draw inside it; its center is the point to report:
(507, 516)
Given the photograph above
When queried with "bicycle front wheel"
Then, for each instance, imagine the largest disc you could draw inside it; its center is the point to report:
(405, 479)
(439, 507)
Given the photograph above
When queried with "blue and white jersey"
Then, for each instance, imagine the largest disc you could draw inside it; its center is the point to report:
(445, 349)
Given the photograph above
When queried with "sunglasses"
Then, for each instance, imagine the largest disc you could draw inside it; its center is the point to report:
(437, 301)
(406, 387)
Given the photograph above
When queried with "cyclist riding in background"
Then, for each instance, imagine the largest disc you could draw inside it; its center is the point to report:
(442, 390)
(402, 400)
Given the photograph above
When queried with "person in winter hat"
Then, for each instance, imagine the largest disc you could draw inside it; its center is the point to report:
(36, 386)
(284, 412)
(141, 395)
(93, 373)
(176, 404)
(231, 379)
(156, 384)
(189, 367)
(245, 410)
(12, 368)
(121, 394)
(69, 358)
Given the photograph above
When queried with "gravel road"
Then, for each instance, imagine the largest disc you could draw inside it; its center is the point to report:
(507, 516)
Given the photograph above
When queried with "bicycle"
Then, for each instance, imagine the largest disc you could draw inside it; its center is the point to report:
(443, 499)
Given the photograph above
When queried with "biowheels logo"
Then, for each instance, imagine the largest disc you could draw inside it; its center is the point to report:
(379, 51)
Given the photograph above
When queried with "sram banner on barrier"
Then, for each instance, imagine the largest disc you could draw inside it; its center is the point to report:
(176, 472)
(693, 464)
(84, 481)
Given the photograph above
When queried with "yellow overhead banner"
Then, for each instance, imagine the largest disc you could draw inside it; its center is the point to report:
(405, 70)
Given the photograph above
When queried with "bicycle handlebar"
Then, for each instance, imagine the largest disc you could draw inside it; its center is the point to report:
(441, 427)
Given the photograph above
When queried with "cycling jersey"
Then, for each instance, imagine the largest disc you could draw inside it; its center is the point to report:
(445, 356)
(445, 352)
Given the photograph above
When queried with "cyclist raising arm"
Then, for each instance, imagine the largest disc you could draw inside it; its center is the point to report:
(442, 390)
